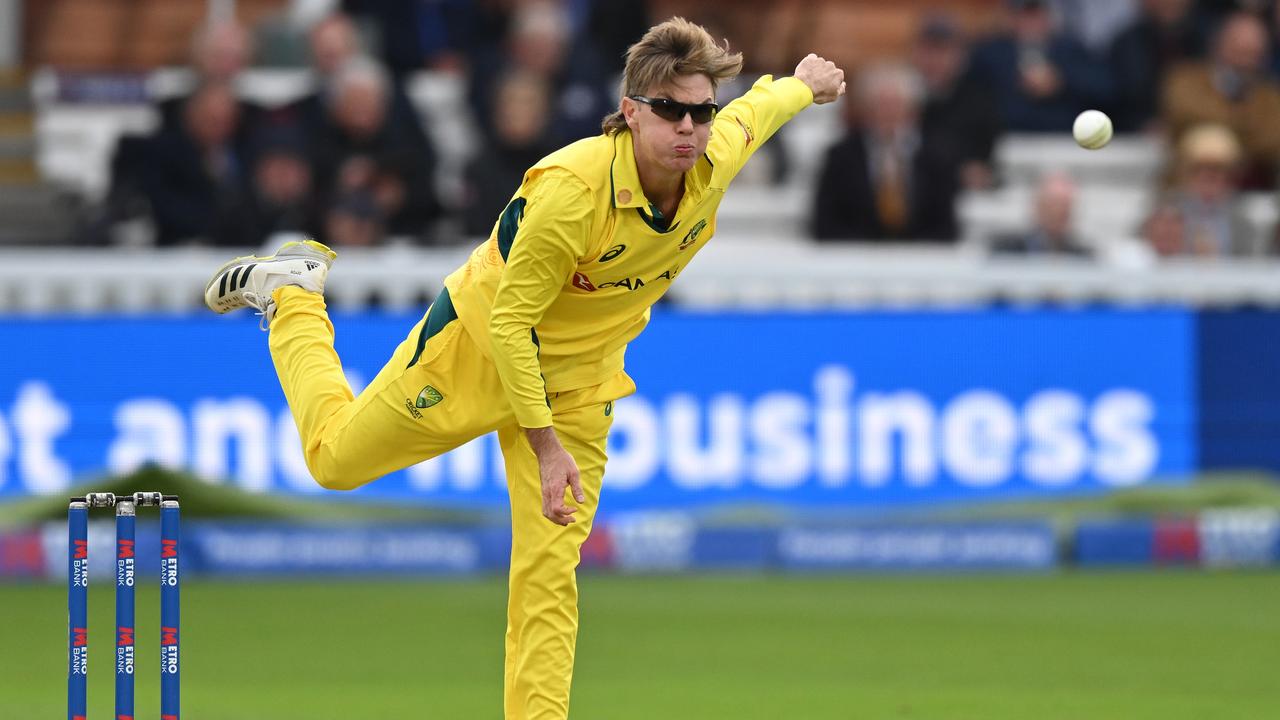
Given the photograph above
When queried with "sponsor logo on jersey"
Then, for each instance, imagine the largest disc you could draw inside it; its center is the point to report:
(613, 252)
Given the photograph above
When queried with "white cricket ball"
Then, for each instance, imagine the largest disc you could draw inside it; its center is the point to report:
(1092, 129)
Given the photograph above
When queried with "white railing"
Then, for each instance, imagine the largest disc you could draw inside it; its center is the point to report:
(730, 272)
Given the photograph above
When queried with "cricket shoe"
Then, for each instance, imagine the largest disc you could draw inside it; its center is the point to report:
(249, 281)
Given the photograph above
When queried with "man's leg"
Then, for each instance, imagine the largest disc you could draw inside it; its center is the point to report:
(542, 609)
(436, 392)
(407, 414)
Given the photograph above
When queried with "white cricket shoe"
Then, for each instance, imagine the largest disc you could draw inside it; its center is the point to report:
(249, 281)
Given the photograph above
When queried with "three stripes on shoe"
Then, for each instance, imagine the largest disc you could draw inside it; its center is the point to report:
(240, 275)
(234, 275)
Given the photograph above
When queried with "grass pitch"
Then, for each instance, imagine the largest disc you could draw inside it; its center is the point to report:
(1128, 646)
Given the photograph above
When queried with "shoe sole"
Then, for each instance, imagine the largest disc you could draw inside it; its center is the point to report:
(328, 254)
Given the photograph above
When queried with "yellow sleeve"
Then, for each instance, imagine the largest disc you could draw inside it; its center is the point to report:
(746, 123)
(549, 238)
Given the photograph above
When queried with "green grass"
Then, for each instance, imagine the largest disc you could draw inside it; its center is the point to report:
(1129, 646)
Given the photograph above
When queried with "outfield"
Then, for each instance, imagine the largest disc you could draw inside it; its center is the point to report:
(1128, 646)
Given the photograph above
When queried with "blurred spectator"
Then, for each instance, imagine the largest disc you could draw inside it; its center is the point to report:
(1052, 234)
(362, 151)
(281, 198)
(219, 53)
(333, 42)
(1095, 23)
(1231, 89)
(413, 34)
(354, 220)
(1205, 199)
(194, 176)
(541, 41)
(1164, 35)
(884, 180)
(1275, 43)
(958, 112)
(520, 141)
(1164, 230)
(1042, 79)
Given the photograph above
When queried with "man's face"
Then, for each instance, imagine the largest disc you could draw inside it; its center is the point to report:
(673, 145)
(1032, 24)
(360, 109)
(333, 41)
(1243, 44)
(212, 115)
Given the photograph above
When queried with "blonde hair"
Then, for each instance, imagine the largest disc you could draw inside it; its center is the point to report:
(671, 49)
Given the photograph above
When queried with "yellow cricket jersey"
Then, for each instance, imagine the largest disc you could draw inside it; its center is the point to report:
(568, 275)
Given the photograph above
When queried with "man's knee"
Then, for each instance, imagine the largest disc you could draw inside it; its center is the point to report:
(332, 475)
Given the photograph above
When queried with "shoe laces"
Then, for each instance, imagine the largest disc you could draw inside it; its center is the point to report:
(266, 308)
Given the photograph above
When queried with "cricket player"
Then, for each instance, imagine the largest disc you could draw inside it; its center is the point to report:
(527, 337)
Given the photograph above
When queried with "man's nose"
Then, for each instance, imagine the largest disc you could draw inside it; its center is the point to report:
(685, 124)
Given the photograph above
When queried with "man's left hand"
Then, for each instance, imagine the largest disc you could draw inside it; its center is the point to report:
(823, 78)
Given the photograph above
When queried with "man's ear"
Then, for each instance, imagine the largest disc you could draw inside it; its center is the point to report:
(629, 109)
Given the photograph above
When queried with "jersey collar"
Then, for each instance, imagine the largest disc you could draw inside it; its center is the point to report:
(624, 177)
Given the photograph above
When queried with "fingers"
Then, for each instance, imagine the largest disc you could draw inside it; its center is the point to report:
(554, 507)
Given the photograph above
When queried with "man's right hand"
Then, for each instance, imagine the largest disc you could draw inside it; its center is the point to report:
(558, 471)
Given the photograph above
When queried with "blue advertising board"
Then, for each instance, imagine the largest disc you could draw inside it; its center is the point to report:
(806, 410)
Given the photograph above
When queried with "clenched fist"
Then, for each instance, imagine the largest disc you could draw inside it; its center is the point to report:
(823, 78)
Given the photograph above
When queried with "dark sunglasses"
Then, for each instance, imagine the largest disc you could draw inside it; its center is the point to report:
(666, 109)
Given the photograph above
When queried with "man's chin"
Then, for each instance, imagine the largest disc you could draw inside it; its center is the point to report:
(683, 163)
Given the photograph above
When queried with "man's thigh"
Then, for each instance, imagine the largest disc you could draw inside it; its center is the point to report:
(449, 395)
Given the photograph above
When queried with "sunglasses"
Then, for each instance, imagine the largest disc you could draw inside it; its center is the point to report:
(666, 109)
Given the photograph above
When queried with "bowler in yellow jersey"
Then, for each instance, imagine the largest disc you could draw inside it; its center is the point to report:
(527, 338)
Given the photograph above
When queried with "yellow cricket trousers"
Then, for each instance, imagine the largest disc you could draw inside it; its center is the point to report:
(437, 392)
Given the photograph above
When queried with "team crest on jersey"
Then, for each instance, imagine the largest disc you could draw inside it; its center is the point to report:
(692, 236)
(428, 397)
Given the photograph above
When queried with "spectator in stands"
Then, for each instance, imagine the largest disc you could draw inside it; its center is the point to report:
(541, 41)
(520, 141)
(194, 175)
(1231, 89)
(958, 112)
(1052, 234)
(1165, 34)
(361, 150)
(418, 34)
(354, 220)
(1164, 230)
(885, 180)
(1275, 43)
(1042, 79)
(1206, 197)
(334, 41)
(281, 198)
(219, 53)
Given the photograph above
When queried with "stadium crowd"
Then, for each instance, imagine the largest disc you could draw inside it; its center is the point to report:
(353, 162)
